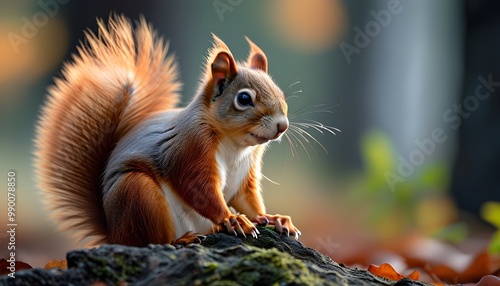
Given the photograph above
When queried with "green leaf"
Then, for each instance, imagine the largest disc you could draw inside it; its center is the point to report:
(454, 233)
(490, 212)
(436, 176)
(494, 247)
(378, 156)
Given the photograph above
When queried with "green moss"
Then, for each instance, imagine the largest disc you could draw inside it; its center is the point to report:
(211, 266)
(273, 266)
(260, 266)
(121, 270)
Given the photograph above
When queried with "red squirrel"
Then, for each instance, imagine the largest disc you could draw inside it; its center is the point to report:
(119, 163)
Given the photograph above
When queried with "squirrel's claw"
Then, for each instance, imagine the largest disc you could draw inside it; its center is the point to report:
(239, 224)
(264, 221)
(297, 234)
(282, 223)
(254, 235)
(229, 227)
(286, 231)
(239, 229)
(278, 226)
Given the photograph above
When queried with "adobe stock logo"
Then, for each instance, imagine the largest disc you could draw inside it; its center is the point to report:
(31, 26)
(362, 39)
(223, 6)
(454, 116)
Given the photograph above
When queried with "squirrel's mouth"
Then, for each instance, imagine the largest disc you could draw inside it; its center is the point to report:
(260, 139)
(264, 139)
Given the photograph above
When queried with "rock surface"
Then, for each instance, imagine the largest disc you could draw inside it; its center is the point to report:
(220, 260)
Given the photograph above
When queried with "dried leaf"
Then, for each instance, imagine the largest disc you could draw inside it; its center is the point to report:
(489, 280)
(19, 265)
(387, 271)
(482, 265)
(61, 264)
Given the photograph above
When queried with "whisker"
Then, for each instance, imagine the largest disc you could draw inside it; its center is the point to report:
(319, 108)
(293, 134)
(305, 135)
(293, 149)
(294, 94)
(295, 81)
(318, 126)
(271, 181)
(314, 140)
(300, 133)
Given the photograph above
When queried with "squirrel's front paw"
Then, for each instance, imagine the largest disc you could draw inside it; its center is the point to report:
(239, 224)
(282, 223)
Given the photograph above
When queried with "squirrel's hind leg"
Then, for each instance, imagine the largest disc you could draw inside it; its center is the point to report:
(189, 238)
(137, 212)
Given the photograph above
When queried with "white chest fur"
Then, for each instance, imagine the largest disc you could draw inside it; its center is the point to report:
(184, 217)
(233, 163)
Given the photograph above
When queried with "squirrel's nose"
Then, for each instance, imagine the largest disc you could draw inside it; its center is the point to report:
(282, 126)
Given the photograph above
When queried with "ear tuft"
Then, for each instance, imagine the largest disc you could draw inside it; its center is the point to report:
(218, 44)
(256, 59)
(220, 61)
(220, 67)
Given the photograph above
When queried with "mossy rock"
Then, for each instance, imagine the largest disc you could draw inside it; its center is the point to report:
(221, 259)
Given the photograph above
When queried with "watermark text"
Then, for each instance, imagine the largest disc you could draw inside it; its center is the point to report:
(31, 26)
(11, 224)
(454, 116)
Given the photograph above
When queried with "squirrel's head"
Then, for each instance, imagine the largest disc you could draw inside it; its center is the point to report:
(248, 107)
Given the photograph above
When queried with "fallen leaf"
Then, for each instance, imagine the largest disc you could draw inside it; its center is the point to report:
(19, 265)
(483, 264)
(61, 264)
(489, 280)
(387, 271)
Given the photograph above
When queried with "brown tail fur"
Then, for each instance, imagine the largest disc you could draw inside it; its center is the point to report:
(120, 76)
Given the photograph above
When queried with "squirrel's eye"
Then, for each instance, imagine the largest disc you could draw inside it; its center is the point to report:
(243, 100)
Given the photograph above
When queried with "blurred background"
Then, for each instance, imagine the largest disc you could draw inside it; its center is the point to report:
(412, 85)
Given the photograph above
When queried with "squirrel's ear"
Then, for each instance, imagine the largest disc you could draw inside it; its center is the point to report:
(223, 67)
(222, 64)
(256, 59)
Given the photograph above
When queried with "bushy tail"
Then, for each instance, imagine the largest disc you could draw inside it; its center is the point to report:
(119, 77)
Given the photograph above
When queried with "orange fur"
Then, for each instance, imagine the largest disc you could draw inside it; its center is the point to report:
(137, 212)
(192, 172)
(114, 80)
(118, 162)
